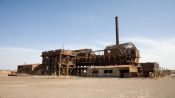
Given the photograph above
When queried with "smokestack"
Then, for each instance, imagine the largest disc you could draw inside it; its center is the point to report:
(117, 30)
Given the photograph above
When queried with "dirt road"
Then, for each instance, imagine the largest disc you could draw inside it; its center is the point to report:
(76, 87)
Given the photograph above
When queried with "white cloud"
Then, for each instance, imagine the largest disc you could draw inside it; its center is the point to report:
(159, 50)
(10, 57)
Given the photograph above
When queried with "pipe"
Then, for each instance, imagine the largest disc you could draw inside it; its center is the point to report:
(117, 30)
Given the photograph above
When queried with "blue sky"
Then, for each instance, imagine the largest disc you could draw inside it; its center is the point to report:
(28, 27)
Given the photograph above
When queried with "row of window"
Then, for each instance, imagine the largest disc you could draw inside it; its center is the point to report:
(105, 71)
(108, 71)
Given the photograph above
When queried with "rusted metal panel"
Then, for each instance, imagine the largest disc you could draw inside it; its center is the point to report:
(44, 53)
(26, 68)
(150, 66)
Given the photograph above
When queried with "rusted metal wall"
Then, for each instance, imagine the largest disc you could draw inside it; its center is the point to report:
(26, 68)
(150, 69)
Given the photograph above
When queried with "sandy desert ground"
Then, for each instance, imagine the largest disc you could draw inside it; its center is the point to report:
(79, 87)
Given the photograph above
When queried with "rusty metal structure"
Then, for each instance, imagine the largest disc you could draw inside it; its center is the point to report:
(153, 69)
(58, 62)
(150, 69)
(74, 62)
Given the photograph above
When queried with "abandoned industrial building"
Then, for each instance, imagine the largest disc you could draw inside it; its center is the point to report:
(119, 60)
(112, 71)
(26, 68)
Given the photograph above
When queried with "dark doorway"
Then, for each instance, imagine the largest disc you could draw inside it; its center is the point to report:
(124, 73)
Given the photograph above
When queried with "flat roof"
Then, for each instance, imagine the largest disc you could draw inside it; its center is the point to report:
(113, 66)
